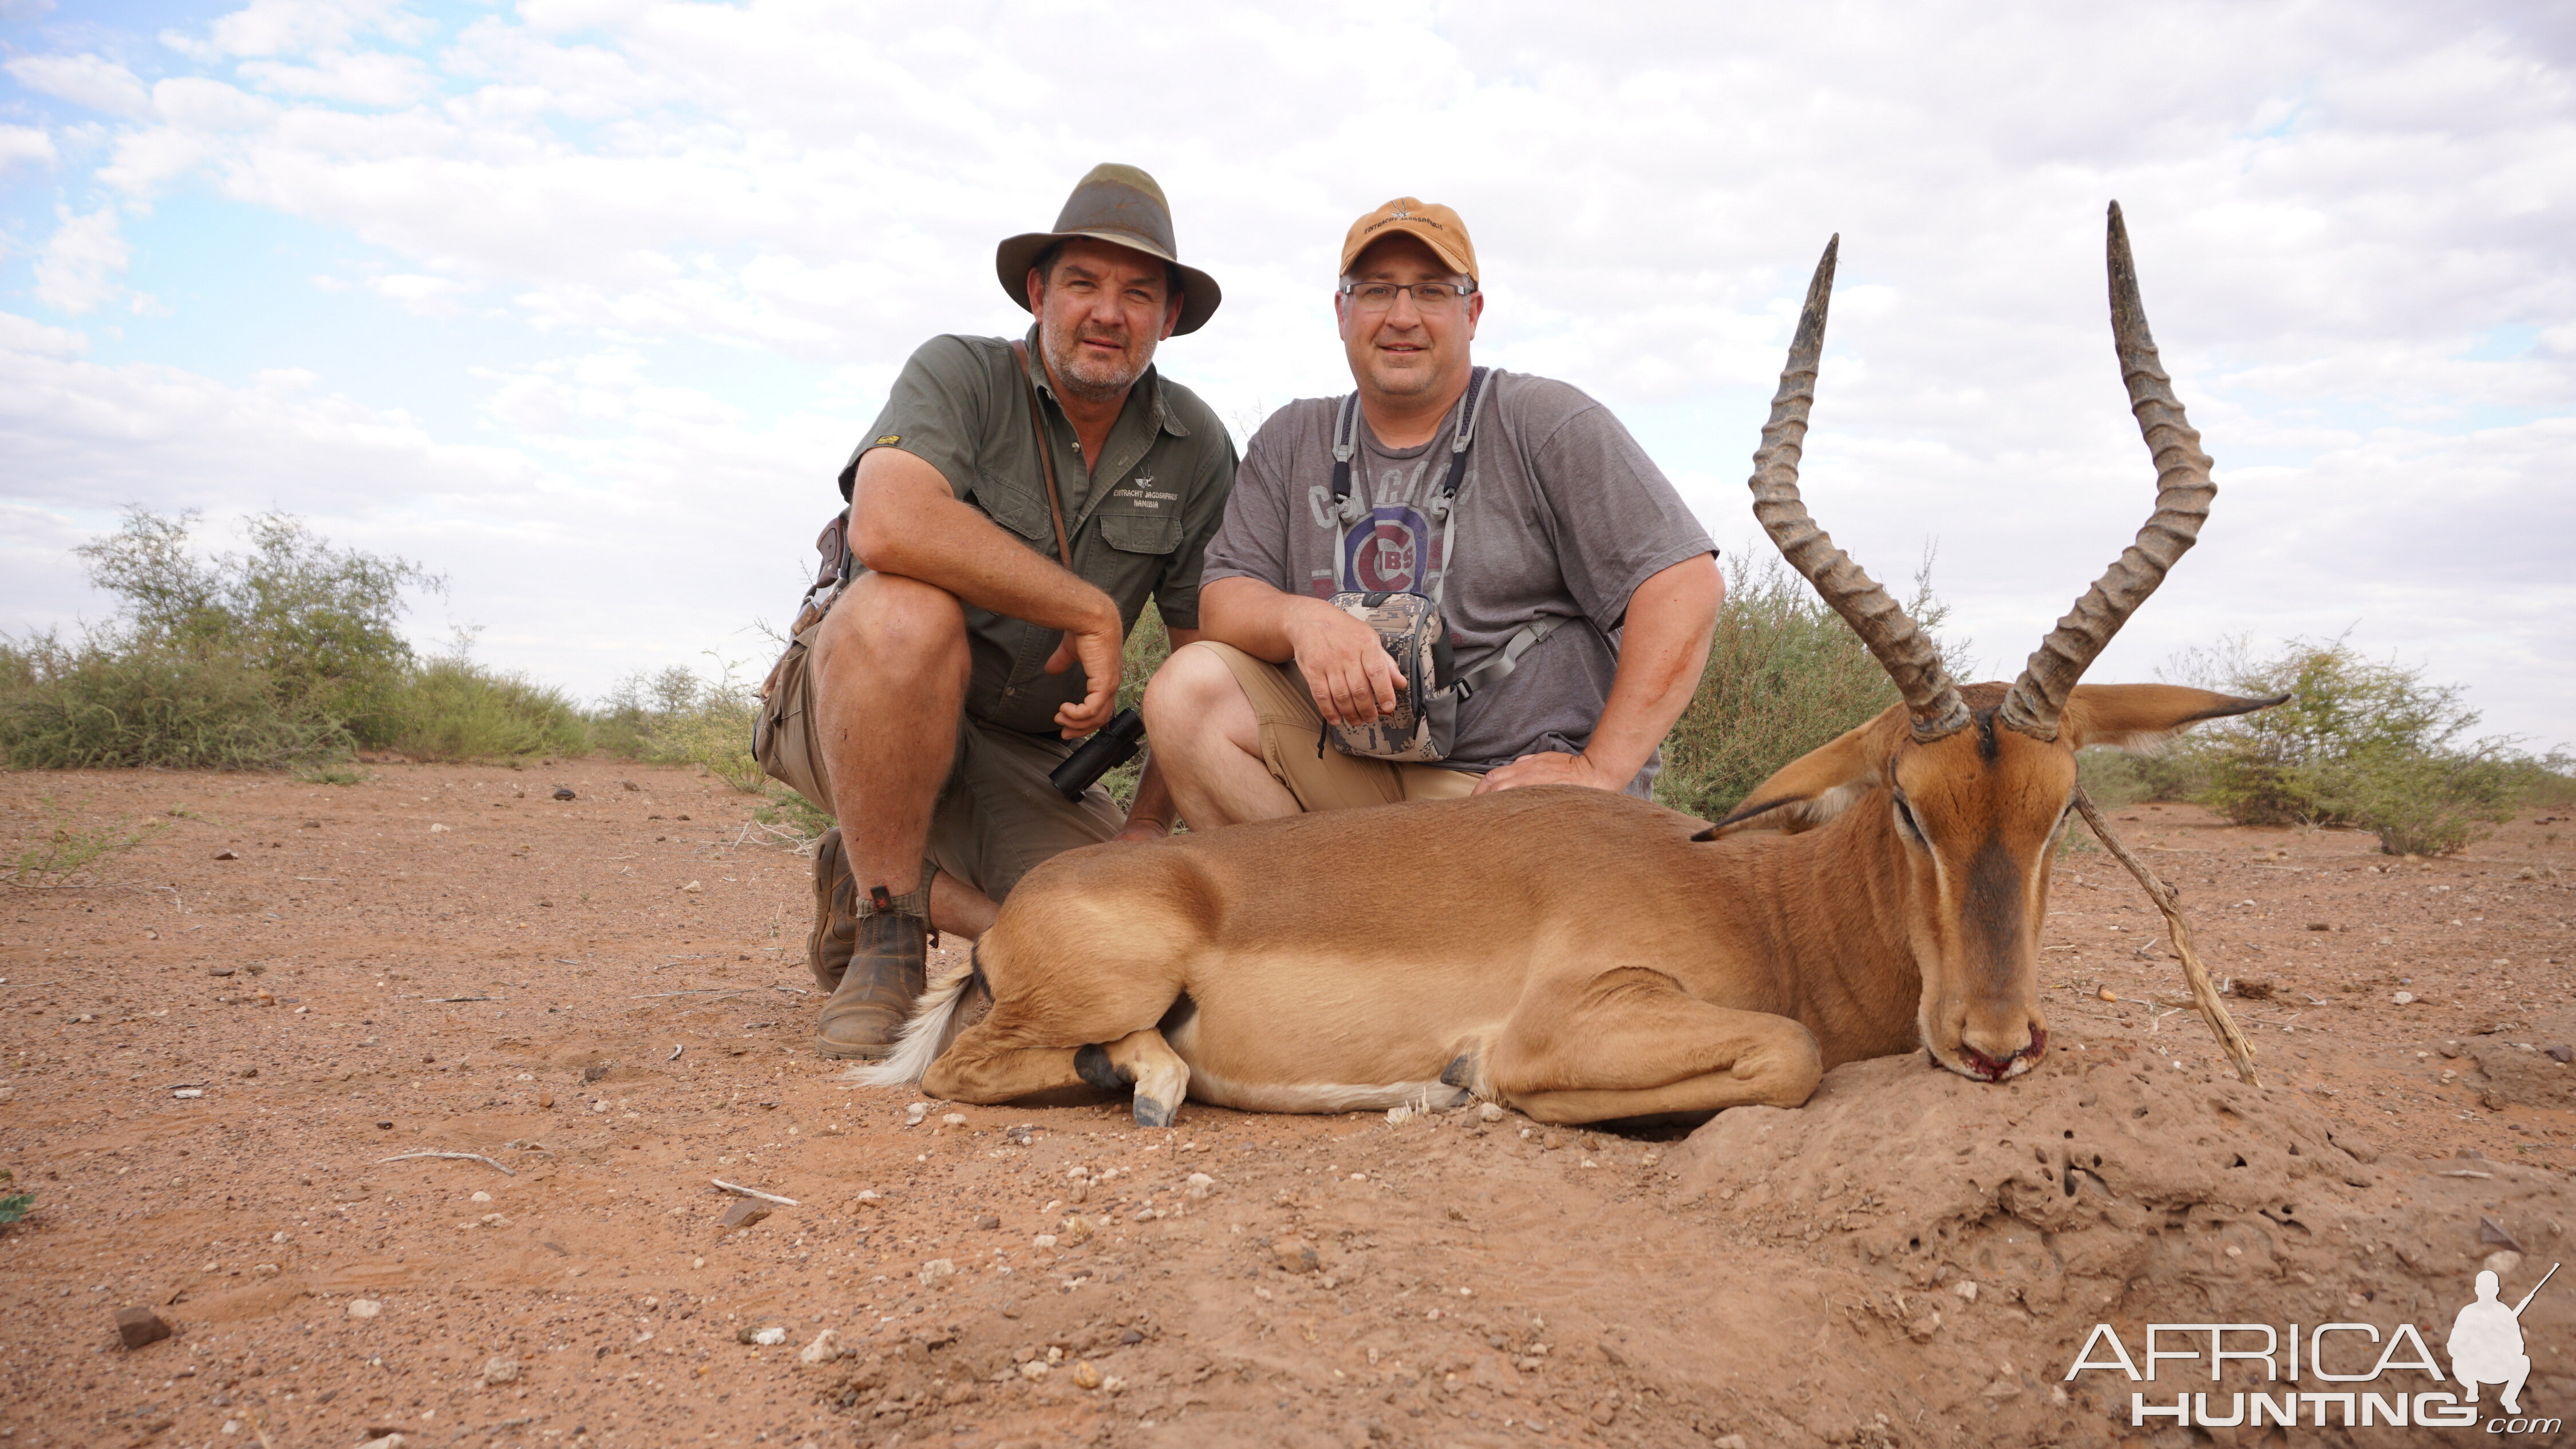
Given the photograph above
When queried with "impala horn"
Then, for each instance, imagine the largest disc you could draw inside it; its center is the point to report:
(1894, 639)
(2183, 491)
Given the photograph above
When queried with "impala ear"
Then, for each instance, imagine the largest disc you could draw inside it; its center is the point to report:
(2142, 718)
(1818, 785)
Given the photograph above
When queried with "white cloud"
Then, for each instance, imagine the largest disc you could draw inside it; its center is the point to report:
(367, 78)
(426, 295)
(83, 80)
(81, 266)
(25, 334)
(24, 144)
(210, 108)
(299, 27)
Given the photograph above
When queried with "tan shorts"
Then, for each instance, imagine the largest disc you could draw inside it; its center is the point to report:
(1291, 727)
(997, 818)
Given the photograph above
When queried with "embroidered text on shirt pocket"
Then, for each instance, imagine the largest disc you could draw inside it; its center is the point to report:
(1134, 533)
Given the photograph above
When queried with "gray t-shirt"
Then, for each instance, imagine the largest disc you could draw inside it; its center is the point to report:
(1560, 513)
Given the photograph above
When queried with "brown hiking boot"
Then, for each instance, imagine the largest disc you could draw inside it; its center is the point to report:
(836, 912)
(883, 977)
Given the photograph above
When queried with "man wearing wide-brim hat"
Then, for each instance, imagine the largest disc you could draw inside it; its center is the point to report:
(1012, 510)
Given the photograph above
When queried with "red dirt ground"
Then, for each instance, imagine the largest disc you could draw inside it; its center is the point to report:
(607, 996)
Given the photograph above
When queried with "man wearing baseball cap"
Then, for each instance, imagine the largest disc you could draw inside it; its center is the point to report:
(1577, 590)
(1012, 509)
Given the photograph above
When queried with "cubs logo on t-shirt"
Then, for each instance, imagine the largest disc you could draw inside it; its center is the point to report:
(1391, 550)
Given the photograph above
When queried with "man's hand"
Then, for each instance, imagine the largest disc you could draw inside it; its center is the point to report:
(1098, 649)
(1551, 768)
(1353, 677)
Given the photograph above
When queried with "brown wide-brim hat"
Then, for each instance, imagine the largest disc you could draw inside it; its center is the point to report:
(1120, 205)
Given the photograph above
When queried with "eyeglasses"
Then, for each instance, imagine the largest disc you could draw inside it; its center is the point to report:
(1428, 296)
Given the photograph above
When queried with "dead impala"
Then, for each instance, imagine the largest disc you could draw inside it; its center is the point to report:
(1581, 956)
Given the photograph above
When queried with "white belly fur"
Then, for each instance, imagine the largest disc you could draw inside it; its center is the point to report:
(1434, 1096)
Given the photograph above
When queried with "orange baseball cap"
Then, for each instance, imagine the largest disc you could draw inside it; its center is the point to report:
(1437, 226)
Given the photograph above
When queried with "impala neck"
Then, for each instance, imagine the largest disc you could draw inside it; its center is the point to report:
(1847, 963)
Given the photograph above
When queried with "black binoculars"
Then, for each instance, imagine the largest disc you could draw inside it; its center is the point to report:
(1115, 744)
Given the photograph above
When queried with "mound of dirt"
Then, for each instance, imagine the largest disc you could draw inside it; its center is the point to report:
(1995, 1226)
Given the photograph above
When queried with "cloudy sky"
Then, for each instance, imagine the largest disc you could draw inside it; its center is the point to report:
(582, 302)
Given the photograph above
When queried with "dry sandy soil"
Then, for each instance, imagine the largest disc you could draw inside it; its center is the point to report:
(208, 1066)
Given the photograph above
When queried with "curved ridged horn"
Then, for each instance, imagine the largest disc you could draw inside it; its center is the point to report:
(2183, 491)
(1900, 646)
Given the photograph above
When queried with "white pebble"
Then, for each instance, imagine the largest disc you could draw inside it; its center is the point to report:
(364, 1308)
(2403, 998)
(770, 1337)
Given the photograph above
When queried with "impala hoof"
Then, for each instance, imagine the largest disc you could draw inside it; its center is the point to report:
(1150, 1113)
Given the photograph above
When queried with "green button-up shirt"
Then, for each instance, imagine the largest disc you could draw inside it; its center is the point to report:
(1138, 522)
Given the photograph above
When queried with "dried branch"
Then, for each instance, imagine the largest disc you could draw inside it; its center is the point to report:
(755, 1192)
(2204, 992)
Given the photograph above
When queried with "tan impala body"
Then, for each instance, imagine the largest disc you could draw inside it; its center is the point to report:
(1583, 956)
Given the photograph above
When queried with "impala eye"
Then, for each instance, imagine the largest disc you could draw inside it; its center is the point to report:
(1906, 822)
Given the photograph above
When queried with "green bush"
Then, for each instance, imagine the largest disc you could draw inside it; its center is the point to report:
(2360, 742)
(676, 718)
(1785, 674)
(2112, 778)
(320, 623)
(454, 709)
(286, 656)
(2423, 802)
(97, 705)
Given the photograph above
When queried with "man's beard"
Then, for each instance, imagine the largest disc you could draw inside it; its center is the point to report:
(1089, 377)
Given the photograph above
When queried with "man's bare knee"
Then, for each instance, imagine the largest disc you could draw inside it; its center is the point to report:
(893, 621)
(1195, 693)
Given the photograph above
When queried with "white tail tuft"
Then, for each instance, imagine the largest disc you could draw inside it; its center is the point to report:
(924, 1035)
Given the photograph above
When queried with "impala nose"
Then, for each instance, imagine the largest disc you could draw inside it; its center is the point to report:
(2012, 1063)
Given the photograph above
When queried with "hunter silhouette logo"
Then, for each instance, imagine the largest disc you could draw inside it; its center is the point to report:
(2485, 1346)
(2486, 1342)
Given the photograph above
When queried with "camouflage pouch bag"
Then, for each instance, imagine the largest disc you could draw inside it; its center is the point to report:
(1424, 721)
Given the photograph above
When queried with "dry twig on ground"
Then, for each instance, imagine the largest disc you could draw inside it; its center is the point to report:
(2204, 992)
(733, 1187)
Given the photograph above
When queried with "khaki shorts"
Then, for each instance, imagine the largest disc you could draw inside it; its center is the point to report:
(1291, 727)
(997, 816)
